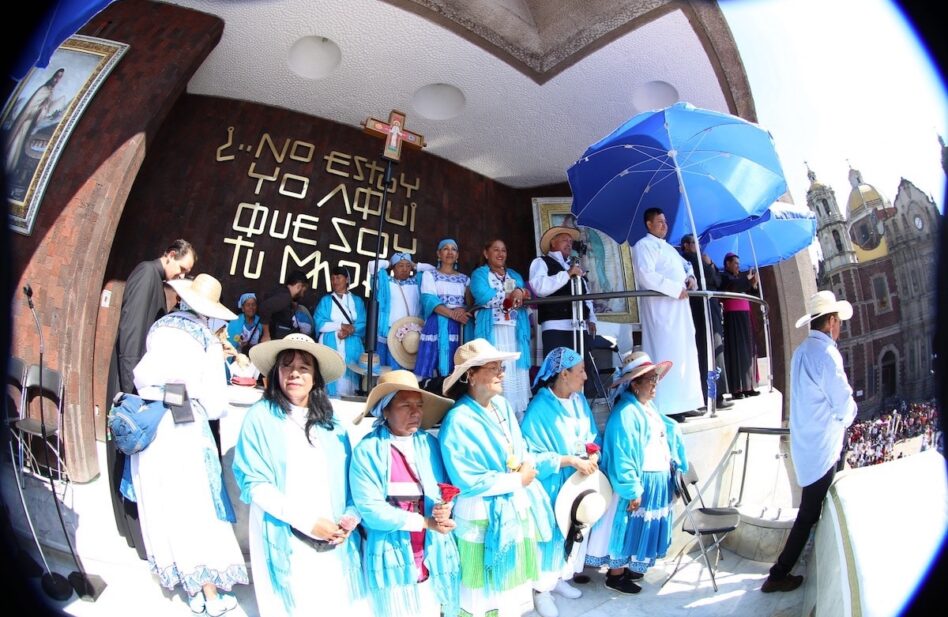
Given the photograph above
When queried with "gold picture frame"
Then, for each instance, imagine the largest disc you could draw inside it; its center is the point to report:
(41, 113)
(606, 262)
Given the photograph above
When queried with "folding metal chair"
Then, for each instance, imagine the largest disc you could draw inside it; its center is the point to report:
(28, 427)
(16, 375)
(701, 522)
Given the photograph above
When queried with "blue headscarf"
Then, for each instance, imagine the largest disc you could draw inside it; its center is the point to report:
(556, 362)
(446, 242)
(397, 257)
(376, 410)
(244, 298)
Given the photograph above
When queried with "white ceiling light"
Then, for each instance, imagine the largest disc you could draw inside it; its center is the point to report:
(654, 95)
(314, 57)
(438, 101)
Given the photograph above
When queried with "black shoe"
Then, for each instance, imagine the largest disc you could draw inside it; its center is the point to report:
(723, 404)
(751, 393)
(677, 417)
(581, 579)
(622, 584)
(694, 413)
(632, 576)
(787, 583)
(737, 395)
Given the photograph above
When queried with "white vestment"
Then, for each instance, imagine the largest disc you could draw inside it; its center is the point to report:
(668, 332)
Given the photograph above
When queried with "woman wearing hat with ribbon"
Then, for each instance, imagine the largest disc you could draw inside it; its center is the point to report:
(506, 532)
(291, 464)
(399, 295)
(640, 448)
(185, 513)
(560, 422)
(340, 319)
(244, 331)
(443, 296)
(499, 293)
(411, 560)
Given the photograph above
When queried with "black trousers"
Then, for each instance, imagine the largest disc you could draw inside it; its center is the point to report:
(811, 505)
(564, 338)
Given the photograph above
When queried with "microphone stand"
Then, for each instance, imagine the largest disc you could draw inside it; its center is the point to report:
(55, 585)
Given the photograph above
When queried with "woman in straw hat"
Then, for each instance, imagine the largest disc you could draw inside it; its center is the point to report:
(443, 296)
(185, 513)
(291, 463)
(411, 559)
(640, 448)
(399, 295)
(560, 422)
(507, 536)
(502, 320)
(340, 319)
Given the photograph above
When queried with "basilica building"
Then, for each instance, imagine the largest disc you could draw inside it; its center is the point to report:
(881, 256)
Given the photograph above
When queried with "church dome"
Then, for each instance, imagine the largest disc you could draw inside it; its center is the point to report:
(867, 209)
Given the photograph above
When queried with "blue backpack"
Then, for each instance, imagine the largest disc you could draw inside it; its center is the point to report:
(133, 422)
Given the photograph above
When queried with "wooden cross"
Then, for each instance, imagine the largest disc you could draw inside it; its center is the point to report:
(394, 133)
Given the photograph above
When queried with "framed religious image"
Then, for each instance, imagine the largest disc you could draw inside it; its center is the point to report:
(41, 113)
(608, 265)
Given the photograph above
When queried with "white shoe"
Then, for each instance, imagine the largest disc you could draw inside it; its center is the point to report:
(544, 605)
(196, 603)
(566, 590)
(221, 604)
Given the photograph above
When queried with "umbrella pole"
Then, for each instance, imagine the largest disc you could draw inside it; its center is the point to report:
(709, 334)
(763, 310)
(578, 323)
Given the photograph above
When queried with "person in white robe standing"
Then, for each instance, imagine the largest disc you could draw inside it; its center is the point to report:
(667, 328)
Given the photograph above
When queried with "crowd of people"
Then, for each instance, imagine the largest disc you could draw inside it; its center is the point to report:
(505, 507)
(873, 441)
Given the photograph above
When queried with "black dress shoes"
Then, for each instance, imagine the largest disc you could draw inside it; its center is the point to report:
(751, 393)
(737, 395)
(723, 404)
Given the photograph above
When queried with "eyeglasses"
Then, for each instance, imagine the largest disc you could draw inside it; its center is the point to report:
(653, 378)
(493, 368)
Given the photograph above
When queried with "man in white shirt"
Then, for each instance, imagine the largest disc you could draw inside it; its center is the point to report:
(551, 275)
(821, 408)
(668, 331)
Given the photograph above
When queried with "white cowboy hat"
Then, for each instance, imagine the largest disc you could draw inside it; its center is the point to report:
(554, 231)
(583, 500)
(475, 353)
(637, 364)
(203, 294)
(434, 406)
(403, 339)
(362, 366)
(823, 302)
(330, 363)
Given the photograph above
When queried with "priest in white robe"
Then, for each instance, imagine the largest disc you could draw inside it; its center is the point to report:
(668, 331)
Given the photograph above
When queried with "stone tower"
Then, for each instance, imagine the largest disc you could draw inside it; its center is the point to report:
(831, 229)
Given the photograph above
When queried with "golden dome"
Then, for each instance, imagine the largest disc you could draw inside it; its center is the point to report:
(863, 197)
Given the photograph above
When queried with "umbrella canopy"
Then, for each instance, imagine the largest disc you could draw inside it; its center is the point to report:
(682, 159)
(783, 231)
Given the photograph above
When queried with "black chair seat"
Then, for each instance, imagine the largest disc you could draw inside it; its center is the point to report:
(712, 520)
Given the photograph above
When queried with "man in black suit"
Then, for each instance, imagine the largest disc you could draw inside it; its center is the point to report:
(143, 303)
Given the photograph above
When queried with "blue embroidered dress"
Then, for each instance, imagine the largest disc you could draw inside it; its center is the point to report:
(391, 572)
(441, 336)
(397, 299)
(507, 535)
(639, 447)
(291, 483)
(329, 320)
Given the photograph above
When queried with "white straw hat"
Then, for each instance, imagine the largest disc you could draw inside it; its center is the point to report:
(203, 294)
(637, 364)
(554, 231)
(403, 339)
(823, 302)
(475, 353)
(589, 494)
(330, 363)
(434, 406)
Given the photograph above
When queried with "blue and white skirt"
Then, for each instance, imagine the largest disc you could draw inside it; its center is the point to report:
(429, 348)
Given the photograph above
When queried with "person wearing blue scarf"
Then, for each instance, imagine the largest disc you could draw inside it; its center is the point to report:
(399, 295)
(410, 556)
(507, 536)
(444, 294)
(640, 450)
(559, 422)
(500, 318)
(340, 319)
(291, 463)
(244, 332)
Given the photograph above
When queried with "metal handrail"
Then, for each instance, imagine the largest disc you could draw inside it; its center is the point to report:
(748, 431)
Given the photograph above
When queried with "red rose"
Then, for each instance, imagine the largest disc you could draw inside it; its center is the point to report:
(448, 492)
(592, 448)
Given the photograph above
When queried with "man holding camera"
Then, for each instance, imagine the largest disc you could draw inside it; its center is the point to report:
(668, 332)
(552, 275)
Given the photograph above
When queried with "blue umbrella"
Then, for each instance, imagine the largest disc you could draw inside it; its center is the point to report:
(702, 168)
(783, 231)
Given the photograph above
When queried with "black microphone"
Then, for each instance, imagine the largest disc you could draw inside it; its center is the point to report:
(29, 294)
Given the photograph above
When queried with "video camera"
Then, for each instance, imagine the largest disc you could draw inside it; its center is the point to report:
(580, 247)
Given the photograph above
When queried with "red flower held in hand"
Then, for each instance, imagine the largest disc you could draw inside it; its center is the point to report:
(592, 448)
(448, 491)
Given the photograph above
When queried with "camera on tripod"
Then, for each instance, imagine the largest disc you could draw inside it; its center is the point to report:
(580, 247)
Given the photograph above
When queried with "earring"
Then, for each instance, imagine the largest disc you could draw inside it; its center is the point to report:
(463, 379)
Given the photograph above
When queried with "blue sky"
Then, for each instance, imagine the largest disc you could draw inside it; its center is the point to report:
(838, 80)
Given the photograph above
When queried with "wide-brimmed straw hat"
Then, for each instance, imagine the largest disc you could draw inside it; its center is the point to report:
(330, 363)
(203, 294)
(475, 353)
(637, 364)
(433, 406)
(404, 337)
(582, 500)
(554, 231)
(362, 366)
(823, 302)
